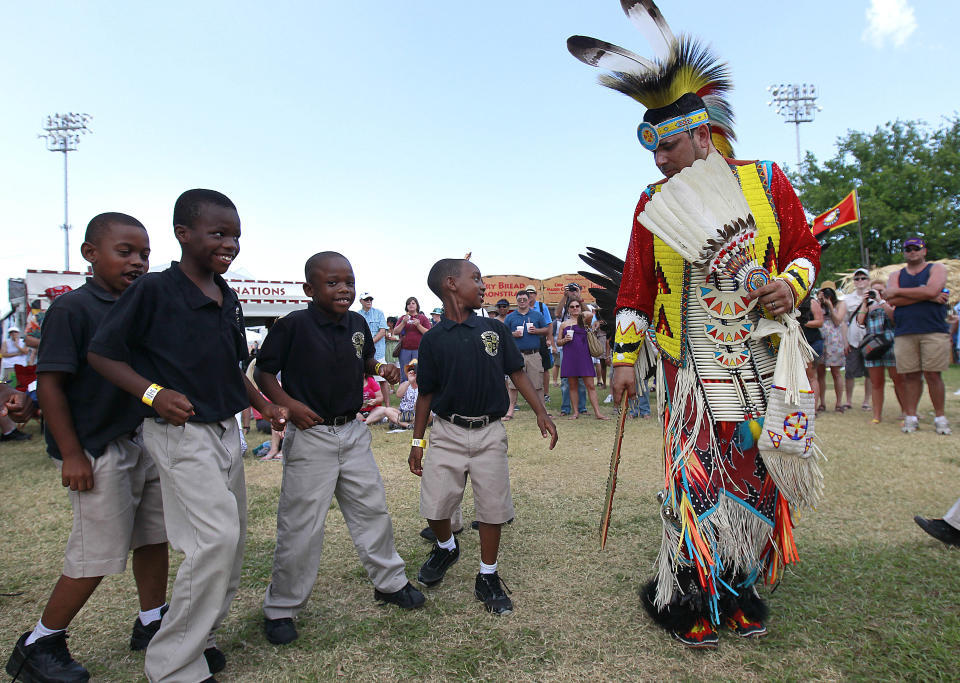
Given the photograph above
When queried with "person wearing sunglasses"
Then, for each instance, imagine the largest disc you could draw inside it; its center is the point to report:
(921, 334)
(853, 360)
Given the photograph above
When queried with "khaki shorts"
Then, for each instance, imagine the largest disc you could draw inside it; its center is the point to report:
(922, 352)
(123, 511)
(533, 369)
(455, 452)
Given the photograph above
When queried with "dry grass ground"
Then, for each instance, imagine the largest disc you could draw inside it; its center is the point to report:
(873, 598)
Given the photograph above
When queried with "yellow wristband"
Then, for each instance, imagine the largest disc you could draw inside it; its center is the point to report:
(151, 393)
(419, 443)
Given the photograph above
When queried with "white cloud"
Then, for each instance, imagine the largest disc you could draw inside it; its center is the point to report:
(889, 21)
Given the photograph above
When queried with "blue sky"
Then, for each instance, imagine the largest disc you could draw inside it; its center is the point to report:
(400, 133)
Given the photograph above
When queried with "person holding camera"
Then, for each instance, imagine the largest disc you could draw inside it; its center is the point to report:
(834, 332)
(876, 317)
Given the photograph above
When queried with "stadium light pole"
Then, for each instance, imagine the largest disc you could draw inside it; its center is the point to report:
(796, 103)
(62, 133)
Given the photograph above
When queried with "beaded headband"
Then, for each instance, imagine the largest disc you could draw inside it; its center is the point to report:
(650, 135)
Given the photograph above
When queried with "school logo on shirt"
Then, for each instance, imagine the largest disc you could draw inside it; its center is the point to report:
(491, 342)
(358, 343)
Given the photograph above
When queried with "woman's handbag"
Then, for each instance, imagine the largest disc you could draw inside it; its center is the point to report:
(396, 349)
(875, 346)
(594, 344)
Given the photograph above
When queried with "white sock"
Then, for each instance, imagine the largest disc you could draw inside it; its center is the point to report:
(448, 544)
(41, 631)
(488, 568)
(151, 615)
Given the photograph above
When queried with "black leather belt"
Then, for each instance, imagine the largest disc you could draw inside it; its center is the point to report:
(338, 420)
(469, 422)
(528, 352)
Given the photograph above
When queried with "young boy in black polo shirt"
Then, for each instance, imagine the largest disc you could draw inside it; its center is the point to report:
(462, 364)
(91, 431)
(175, 340)
(322, 353)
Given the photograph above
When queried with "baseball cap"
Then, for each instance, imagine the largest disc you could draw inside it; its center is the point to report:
(437, 311)
(13, 328)
(503, 302)
(365, 295)
(828, 284)
(412, 365)
(915, 242)
(573, 287)
(861, 270)
(530, 289)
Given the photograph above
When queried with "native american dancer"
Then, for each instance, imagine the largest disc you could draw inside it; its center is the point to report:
(720, 255)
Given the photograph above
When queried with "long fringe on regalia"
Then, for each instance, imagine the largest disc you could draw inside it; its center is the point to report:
(710, 559)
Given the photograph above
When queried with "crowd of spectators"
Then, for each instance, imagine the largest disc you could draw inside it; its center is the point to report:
(901, 329)
(538, 332)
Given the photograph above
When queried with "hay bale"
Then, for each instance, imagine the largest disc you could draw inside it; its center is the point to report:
(845, 280)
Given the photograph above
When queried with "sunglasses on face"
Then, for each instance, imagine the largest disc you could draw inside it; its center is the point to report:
(860, 278)
(912, 247)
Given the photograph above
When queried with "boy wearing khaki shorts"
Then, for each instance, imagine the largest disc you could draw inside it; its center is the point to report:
(113, 485)
(462, 363)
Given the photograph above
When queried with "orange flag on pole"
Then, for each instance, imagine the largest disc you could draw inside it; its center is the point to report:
(844, 213)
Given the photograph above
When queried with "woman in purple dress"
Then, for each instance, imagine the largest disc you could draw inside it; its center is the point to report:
(577, 363)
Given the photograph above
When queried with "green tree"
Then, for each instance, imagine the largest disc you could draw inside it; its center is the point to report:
(907, 176)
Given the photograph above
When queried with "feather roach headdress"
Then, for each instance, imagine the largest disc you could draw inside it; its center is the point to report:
(663, 84)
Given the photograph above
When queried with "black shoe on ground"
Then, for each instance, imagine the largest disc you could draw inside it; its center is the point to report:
(939, 529)
(216, 660)
(47, 659)
(280, 631)
(427, 534)
(437, 564)
(489, 591)
(142, 635)
(407, 597)
(16, 435)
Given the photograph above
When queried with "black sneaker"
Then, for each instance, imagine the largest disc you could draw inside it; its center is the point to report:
(437, 564)
(142, 635)
(407, 597)
(939, 529)
(216, 660)
(280, 631)
(427, 534)
(16, 435)
(489, 591)
(47, 659)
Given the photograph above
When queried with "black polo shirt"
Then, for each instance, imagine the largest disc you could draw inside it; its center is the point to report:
(173, 334)
(320, 359)
(463, 364)
(100, 411)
